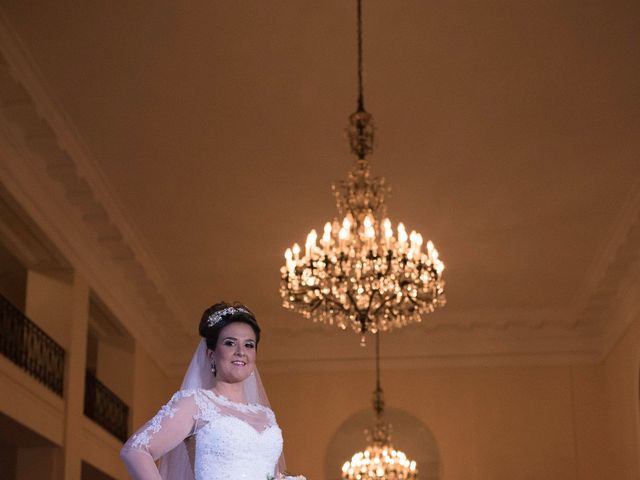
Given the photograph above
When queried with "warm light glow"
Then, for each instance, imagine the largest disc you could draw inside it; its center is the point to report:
(362, 280)
(310, 244)
(402, 234)
(388, 231)
(326, 236)
(430, 246)
(380, 461)
(311, 238)
(369, 231)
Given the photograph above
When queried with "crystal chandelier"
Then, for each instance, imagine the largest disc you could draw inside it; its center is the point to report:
(379, 460)
(361, 272)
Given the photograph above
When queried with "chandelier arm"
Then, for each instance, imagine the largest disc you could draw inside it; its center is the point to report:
(338, 304)
(315, 305)
(353, 300)
(378, 388)
(413, 301)
(382, 300)
(382, 304)
(362, 318)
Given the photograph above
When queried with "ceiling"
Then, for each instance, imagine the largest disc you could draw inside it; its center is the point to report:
(508, 131)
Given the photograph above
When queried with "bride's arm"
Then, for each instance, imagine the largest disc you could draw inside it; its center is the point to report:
(171, 425)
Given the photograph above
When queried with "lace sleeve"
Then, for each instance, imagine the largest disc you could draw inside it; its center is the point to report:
(172, 424)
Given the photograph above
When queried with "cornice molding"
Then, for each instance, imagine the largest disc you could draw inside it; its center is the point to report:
(51, 173)
(484, 360)
(611, 302)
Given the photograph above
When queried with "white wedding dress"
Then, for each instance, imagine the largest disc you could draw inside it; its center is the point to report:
(225, 440)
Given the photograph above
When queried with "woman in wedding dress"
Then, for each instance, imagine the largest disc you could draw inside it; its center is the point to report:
(219, 425)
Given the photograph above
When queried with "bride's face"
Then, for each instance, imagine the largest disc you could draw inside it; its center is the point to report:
(235, 353)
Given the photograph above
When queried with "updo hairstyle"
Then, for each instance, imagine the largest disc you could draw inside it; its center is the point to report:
(211, 333)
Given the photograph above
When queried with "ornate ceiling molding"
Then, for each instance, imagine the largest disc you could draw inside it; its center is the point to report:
(50, 172)
(612, 302)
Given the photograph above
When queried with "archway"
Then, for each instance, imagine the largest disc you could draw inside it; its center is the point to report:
(408, 434)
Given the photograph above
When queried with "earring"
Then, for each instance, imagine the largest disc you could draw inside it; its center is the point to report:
(213, 369)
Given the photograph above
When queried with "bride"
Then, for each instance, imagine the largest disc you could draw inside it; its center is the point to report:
(218, 426)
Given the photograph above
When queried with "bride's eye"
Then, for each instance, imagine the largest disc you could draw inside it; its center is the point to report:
(250, 345)
(229, 343)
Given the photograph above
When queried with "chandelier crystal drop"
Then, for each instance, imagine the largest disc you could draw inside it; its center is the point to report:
(362, 271)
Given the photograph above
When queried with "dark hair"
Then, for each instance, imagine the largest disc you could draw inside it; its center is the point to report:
(211, 332)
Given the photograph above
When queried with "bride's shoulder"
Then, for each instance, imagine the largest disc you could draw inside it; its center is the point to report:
(184, 393)
(186, 396)
(193, 399)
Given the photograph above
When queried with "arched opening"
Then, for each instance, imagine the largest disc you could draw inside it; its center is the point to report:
(408, 434)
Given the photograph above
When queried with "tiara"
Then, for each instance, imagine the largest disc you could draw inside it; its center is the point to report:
(217, 316)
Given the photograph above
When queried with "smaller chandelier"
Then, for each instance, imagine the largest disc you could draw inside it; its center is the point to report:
(362, 272)
(379, 460)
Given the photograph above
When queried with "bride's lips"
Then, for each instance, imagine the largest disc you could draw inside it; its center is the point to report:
(239, 363)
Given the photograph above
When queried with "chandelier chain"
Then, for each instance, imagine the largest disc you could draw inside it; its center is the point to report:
(361, 272)
(378, 402)
(360, 80)
(380, 460)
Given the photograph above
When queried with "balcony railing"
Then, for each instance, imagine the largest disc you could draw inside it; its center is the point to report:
(105, 408)
(26, 345)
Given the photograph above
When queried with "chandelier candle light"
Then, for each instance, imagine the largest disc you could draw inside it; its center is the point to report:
(361, 272)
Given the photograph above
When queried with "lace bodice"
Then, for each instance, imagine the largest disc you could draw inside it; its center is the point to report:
(226, 440)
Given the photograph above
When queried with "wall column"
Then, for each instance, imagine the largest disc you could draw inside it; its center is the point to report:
(58, 301)
(151, 388)
(75, 377)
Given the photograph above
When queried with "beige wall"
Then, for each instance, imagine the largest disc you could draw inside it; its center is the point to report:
(490, 423)
(621, 369)
(152, 389)
(13, 278)
(48, 303)
(590, 421)
(114, 369)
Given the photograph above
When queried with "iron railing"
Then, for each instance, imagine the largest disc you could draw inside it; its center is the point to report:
(105, 408)
(29, 347)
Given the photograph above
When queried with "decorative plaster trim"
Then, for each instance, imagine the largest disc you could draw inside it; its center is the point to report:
(482, 360)
(611, 302)
(42, 139)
